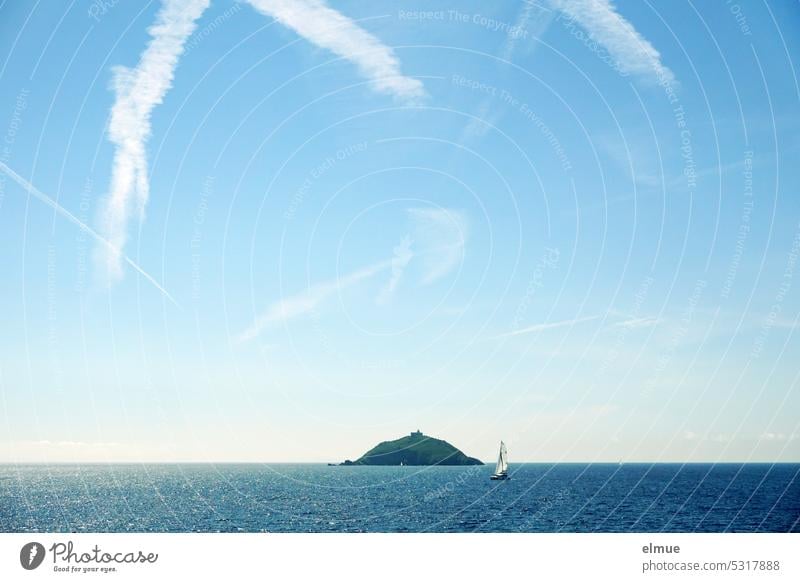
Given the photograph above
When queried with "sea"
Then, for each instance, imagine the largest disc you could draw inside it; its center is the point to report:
(319, 498)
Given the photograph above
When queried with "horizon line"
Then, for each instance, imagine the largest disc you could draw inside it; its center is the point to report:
(4, 463)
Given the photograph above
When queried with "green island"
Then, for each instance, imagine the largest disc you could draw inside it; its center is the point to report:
(414, 449)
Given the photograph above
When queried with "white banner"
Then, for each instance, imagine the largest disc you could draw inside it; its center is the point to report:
(353, 557)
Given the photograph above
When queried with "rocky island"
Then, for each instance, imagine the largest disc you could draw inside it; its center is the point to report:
(415, 449)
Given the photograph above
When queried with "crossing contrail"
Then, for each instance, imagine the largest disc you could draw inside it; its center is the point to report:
(42, 197)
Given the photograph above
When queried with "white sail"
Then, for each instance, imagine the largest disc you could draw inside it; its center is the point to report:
(502, 460)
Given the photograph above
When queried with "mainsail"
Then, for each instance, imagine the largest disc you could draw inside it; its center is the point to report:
(502, 460)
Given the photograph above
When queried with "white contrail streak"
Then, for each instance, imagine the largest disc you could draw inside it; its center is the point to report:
(331, 30)
(138, 91)
(42, 197)
(632, 52)
(306, 301)
(546, 326)
(441, 234)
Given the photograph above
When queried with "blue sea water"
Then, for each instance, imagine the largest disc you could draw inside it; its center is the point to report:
(318, 498)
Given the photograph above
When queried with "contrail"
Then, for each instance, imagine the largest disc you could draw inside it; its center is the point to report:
(36, 193)
(138, 91)
(546, 326)
(325, 27)
(631, 52)
(306, 301)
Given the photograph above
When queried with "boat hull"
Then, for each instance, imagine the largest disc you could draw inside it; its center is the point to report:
(501, 477)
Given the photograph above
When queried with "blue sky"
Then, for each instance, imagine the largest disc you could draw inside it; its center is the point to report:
(284, 231)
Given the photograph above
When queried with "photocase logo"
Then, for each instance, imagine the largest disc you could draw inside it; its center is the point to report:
(31, 555)
(71, 559)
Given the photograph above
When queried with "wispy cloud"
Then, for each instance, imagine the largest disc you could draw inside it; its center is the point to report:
(635, 153)
(438, 237)
(305, 302)
(331, 30)
(548, 326)
(438, 234)
(719, 438)
(782, 323)
(402, 255)
(75, 444)
(777, 436)
(638, 322)
(532, 20)
(138, 91)
(629, 49)
(441, 235)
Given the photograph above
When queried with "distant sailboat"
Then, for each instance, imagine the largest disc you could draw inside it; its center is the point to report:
(501, 469)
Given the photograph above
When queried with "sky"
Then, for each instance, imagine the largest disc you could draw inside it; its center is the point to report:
(283, 231)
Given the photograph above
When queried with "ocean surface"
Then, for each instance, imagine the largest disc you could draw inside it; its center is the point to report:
(318, 498)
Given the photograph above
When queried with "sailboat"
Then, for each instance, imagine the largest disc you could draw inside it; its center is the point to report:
(501, 469)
